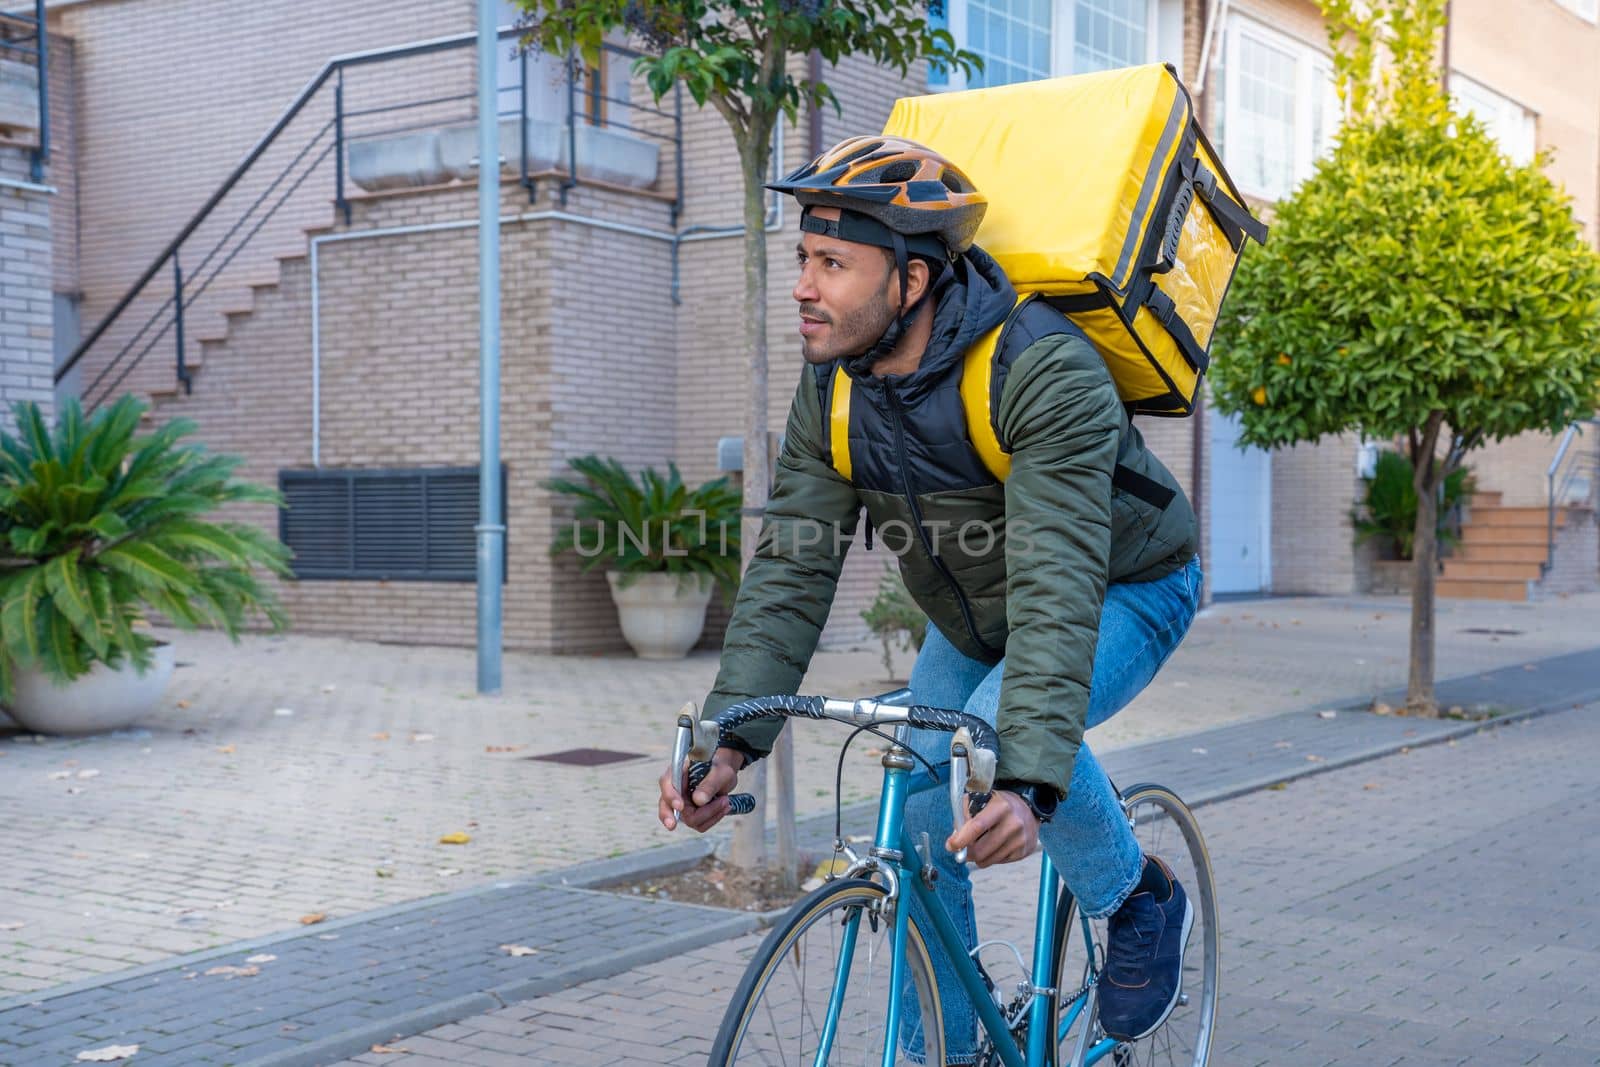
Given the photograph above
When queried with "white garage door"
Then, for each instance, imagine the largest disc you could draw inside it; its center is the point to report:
(1241, 511)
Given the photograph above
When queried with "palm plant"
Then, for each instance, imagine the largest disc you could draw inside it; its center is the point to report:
(99, 526)
(651, 525)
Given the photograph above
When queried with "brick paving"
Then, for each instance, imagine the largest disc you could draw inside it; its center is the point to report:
(333, 989)
(219, 820)
(1436, 907)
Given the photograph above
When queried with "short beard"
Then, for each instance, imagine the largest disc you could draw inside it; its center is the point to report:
(856, 332)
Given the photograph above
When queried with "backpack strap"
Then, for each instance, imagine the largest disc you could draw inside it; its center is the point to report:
(983, 376)
(837, 412)
(977, 381)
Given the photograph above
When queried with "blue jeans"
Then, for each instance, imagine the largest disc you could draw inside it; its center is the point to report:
(1089, 839)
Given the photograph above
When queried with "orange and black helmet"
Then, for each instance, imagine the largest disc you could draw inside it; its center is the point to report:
(907, 187)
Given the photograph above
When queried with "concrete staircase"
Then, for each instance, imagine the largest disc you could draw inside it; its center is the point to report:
(1503, 550)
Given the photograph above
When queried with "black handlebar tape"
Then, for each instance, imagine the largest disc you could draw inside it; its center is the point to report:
(919, 715)
(738, 803)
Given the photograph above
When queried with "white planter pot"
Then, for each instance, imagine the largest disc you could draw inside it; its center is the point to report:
(661, 614)
(103, 699)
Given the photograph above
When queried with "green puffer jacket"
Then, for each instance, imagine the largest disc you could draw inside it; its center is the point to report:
(1017, 568)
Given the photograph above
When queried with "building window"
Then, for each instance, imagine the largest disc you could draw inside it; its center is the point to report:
(1110, 33)
(382, 524)
(1280, 111)
(1513, 126)
(1023, 40)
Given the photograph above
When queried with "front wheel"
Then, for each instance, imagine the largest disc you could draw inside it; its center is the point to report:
(820, 983)
(1165, 827)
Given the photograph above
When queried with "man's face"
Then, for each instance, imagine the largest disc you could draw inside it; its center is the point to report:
(843, 293)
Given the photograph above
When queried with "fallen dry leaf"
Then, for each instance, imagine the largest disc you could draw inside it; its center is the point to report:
(1381, 708)
(457, 838)
(265, 957)
(226, 750)
(380, 736)
(108, 1053)
(1279, 786)
(384, 872)
(518, 950)
(228, 971)
(181, 704)
(1370, 785)
(313, 919)
(384, 1050)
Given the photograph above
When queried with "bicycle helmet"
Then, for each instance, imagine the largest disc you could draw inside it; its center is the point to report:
(893, 193)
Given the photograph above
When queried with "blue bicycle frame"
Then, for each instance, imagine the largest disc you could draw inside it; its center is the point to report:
(895, 853)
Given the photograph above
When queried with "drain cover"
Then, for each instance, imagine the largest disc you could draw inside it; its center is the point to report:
(587, 757)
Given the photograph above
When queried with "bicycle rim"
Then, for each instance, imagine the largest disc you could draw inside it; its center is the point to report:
(779, 1014)
(1164, 827)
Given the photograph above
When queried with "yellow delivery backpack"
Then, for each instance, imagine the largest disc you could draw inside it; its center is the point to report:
(1106, 199)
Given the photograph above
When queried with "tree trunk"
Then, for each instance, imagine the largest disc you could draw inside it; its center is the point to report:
(1429, 474)
(749, 836)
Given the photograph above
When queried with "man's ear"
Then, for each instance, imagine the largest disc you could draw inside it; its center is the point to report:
(918, 278)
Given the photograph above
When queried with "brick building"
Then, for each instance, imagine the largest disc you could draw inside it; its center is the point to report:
(328, 282)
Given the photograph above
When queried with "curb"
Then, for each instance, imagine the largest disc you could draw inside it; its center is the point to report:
(359, 1039)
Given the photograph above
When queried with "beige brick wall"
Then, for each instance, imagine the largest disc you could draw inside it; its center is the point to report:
(25, 264)
(1313, 489)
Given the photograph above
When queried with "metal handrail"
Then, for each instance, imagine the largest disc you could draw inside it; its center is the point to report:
(41, 58)
(1573, 431)
(189, 285)
(304, 97)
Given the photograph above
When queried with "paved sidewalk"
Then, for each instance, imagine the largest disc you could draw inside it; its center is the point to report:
(222, 820)
(337, 989)
(1431, 908)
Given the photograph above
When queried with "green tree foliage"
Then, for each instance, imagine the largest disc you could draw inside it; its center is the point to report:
(1418, 286)
(99, 526)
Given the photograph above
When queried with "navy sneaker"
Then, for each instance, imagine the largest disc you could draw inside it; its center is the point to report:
(1144, 961)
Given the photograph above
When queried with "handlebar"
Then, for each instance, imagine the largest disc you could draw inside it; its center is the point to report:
(974, 748)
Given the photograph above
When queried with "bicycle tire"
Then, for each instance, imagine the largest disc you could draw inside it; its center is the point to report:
(1184, 1040)
(744, 1021)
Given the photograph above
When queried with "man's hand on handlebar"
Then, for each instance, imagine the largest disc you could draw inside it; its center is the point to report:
(1003, 832)
(709, 801)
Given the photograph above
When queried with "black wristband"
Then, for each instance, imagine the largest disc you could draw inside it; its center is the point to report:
(1041, 799)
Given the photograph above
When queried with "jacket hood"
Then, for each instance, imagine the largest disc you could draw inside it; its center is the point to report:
(971, 297)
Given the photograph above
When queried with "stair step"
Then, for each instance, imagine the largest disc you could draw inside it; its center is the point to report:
(1482, 588)
(1517, 516)
(1501, 551)
(1485, 499)
(1470, 568)
(1473, 534)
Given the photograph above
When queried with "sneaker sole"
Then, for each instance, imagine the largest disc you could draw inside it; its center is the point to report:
(1188, 926)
